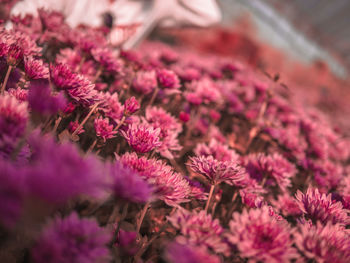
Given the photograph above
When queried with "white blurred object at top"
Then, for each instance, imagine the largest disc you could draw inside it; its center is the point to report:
(144, 14)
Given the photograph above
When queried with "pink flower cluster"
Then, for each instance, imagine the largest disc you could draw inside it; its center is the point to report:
(160, 154)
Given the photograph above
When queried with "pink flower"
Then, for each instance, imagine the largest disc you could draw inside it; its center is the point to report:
(275, 169)
(103, 129)
(218, 150)
(19, 94)
(35, 69)
(217, 171)
(329, 243)
(321, 207)
(168, 79)
(13, 116)
(73, 125)
(145, 81)
(199, 229)
(142, 137)
(112, 107)
(83, 92)
(169, 186)
(107, 59)
(131, 106)
(287, 205)
(260, 237)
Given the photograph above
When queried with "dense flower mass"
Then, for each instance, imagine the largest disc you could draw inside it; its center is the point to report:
(166, 153)
(260, 237)
(72, 239)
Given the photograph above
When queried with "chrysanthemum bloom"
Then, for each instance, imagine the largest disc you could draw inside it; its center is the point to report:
(275, 169)
(35, 69)
(169, 127)
(145, 81)
(168, 186)
(128, 185)
(107, 59)
(62, 76)
(42, 101)
(287, 205)
(217, 171)
(142, 137)
(168, 79)
(206, 90)
(70, 240)
(260, 237)
(104, 129)
(179, 253)
(324, 243)
(321, 207)
(19, 94)
(218, 150)
(112, 107)
(131, 106)
(14, 55)
(12, 191)
(83, 91)
(58, 172)
(199, 229)
(13, 116)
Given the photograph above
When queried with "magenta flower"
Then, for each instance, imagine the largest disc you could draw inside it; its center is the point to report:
(199, 229)
(179, 253)
(112, 107)
(218, 150)
(12, 193)
(218, 171)
(72, 239)
(131, 106)
(19, 94)
(104, 129)
(13, 116)
(287, 205)
(107, 59)
(168, 79)
(83, 91)
(42, 100)
(260, 237)
(170, 187)
(62, 76)
(14, 55)
(205, 90)
(142, 137)
(321, 207)
(145, 81)
(324, 243)
(35, 69)
(58, 173)
(128, 185)
(275, 169)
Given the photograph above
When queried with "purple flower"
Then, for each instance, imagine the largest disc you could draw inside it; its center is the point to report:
(103, 129)
(128, 242)
(275, 169)
(145, 81)
(58, 172)
(41, 100)
(128, 185)
(321, 207)
(13, 116)
(179, 253)
(260, 237)
(170, 187)
(142, 137)
(324, 243)
(72, 239)
(12, 191)
(217, 171)
(131, 106)
(199, 229)
(35, 69)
